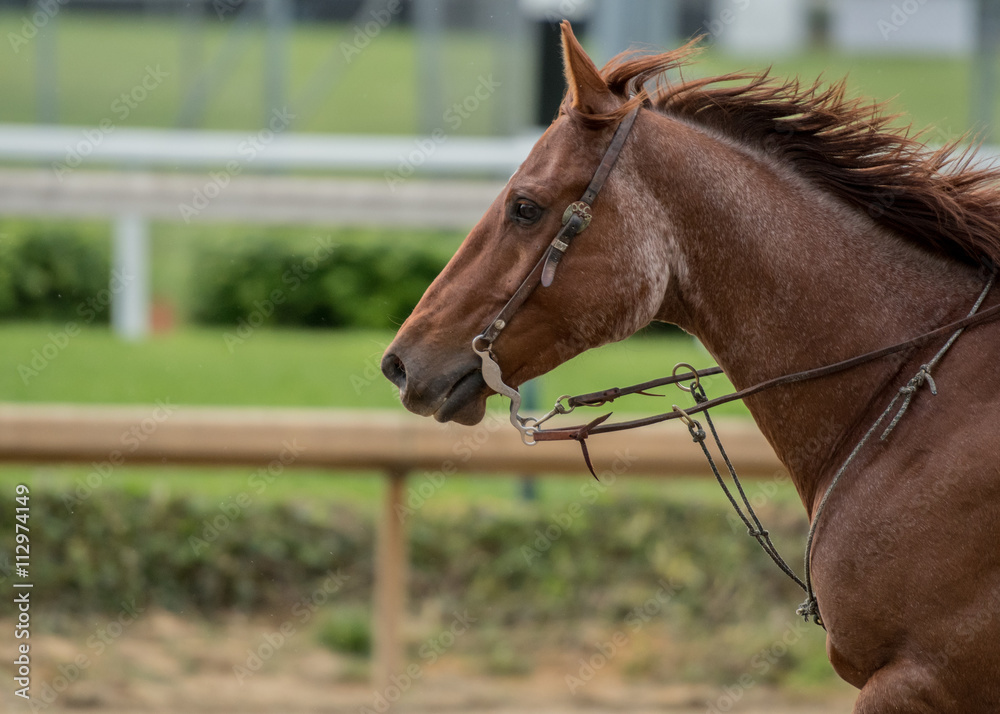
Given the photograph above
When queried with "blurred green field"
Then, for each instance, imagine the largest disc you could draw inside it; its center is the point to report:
(308, 368)
(300, 368)
(100, 56)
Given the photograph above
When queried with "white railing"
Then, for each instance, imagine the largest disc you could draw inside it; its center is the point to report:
(265, 150)
(232, 188)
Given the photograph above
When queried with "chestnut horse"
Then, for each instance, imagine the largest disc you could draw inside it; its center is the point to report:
(785, 227)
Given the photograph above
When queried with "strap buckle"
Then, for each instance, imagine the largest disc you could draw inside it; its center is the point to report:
(582, 210)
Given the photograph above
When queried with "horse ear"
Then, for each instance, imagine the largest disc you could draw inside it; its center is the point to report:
(589, 91)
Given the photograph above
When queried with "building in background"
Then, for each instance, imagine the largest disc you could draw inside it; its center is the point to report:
(946, 27)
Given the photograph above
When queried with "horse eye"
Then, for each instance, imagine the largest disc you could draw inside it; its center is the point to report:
(526, 212)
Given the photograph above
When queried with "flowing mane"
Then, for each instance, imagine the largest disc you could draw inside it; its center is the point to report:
(846, 146)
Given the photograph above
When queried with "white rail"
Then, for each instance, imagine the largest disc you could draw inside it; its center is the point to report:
(76, 147)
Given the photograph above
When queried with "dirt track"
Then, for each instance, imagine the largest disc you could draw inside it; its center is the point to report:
(437, 694)
(168, 664)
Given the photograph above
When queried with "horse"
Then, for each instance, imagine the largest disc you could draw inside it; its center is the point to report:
(786, 226)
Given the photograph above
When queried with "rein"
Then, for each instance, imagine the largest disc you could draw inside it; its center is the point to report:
(575, 220)
(599, 398)
(810, 608)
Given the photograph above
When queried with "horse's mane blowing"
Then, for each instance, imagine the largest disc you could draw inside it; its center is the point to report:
(846, 146)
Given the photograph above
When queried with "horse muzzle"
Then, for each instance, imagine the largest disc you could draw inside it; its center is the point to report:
(456, 393)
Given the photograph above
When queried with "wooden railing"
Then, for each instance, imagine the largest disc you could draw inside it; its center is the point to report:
(384, 443)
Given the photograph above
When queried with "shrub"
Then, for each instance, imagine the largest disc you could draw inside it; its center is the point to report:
(183, 554)
(654, 569)
(347, 630)
(53, 275)
(370, 283)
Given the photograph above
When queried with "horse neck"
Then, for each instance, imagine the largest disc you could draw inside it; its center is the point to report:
(775, 276)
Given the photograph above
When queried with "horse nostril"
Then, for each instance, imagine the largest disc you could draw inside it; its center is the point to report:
(394, 369)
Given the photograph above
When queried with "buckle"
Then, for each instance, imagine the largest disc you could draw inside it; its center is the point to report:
(582, 210)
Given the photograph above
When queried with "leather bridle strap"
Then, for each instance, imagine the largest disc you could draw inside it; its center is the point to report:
(575, 220)
(596, 399)
(581, 209)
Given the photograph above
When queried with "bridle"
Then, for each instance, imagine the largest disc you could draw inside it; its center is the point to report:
(575, 220)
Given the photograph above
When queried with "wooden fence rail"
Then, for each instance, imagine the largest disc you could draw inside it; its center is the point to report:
(387, 443)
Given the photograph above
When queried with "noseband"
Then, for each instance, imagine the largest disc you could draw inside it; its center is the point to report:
(575, 220)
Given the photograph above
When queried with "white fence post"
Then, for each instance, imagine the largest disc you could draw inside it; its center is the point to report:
(130, 277)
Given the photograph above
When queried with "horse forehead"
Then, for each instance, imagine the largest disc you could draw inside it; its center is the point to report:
(563, 151)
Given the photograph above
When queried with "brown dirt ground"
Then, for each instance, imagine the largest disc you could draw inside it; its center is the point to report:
(164, 663)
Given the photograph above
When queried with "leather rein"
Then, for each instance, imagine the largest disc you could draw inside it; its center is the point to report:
(595, 399)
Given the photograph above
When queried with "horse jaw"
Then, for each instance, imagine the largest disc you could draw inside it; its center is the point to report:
(466, 403)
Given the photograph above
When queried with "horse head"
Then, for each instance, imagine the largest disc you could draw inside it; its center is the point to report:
(608, 286)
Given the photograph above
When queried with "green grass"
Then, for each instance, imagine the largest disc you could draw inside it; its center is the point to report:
(100, 56)
(284, 368)
(318, 490)
(306, 368)
(288, 368)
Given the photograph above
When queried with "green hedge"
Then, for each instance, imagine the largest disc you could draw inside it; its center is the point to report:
(319, 283)
(54, 275)
(617, 565)
(357, 279)
(528, 565)
(91, 554)
(351, 278)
